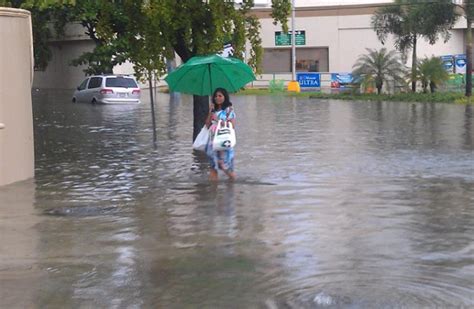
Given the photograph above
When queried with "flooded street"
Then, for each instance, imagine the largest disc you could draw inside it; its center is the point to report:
(336, 205)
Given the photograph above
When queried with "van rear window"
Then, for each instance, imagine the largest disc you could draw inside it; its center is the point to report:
(120, 82)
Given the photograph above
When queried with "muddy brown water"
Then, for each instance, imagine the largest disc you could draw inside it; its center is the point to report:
(336, 205)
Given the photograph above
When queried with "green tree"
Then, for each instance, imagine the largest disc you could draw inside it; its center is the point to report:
(431, 73)
(105, 23)
(190, 27)
(148, 42)
(199, 27)
(409, 20)
(379, 66)
(202, 27)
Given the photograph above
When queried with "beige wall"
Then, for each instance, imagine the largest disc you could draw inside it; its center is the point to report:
(16, 73)
(60, 74)
(347, 33)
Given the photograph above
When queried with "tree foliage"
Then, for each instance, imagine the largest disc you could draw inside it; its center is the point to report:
(280, 12)
(188, 27)
(105, 23)
(149, 44)
(146, 32)
(431, 73)
(409, 20)
(379, 66)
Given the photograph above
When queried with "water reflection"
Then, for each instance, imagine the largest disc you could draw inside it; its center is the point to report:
(337, 204)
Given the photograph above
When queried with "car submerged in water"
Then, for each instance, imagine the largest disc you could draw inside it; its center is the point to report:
(108, 89)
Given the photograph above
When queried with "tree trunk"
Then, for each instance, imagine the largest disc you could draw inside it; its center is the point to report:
(413, 66)
(432, 87)
(200, 103)
(152, 103)
(379, 88)
(468, 54)
(200, 110)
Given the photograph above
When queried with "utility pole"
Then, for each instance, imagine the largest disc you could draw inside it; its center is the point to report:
(467, 11)
(293, 86)
(293, 41)
(466, 7)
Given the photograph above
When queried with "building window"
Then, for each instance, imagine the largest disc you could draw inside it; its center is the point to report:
(95, 82)
(278, 60)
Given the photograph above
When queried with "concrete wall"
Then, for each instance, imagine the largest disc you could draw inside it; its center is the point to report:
(16, 75)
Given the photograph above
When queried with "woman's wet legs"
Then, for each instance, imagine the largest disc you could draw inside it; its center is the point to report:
(213, 176)
(231, 175)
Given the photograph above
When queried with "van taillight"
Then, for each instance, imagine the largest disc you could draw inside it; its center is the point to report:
(136, 91)
(106, 91)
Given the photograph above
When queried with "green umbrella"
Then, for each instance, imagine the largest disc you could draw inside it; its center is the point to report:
(201, 75)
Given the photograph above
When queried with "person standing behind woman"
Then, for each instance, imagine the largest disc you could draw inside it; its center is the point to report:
(221, 110)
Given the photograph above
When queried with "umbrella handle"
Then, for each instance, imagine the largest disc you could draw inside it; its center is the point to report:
(210, 77)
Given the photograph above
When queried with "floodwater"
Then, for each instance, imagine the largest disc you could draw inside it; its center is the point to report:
(336, 205)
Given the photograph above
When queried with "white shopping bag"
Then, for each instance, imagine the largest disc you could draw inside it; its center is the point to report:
(201, 140)
(224, 137)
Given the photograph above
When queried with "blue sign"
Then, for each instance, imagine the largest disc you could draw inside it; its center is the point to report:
(309, 80)
(448, 63)
(460, 61)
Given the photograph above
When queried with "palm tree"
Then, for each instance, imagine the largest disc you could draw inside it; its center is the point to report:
(431, 72)
(409, 20)
(379, 66)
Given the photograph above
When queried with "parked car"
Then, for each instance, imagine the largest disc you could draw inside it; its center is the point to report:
(108, 89)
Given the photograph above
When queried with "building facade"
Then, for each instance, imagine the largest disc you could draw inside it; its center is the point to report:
(330, 35)
(330, 38)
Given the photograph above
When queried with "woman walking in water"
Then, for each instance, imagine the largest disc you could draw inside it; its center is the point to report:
(221, 110)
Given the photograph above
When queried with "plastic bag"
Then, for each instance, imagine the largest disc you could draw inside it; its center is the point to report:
(224, 137)
(201, 140)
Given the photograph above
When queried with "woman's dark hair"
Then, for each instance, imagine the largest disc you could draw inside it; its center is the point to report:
(226, 102)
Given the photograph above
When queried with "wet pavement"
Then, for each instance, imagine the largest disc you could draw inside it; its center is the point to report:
(336, 205)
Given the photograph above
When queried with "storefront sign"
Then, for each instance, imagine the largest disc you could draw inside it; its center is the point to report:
(309, 80)
(448, 63)
(341, 80)
(460, 63)
(284, 39)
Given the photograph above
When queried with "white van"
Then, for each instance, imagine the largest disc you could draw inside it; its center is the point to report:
(108, 89)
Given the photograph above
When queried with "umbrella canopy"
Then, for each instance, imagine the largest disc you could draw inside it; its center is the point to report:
(201, 75)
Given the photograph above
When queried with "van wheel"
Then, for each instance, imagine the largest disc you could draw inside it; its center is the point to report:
(94, 101)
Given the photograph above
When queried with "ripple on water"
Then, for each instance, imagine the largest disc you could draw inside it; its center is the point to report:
(337, 204)
(365, 289)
